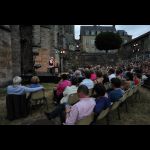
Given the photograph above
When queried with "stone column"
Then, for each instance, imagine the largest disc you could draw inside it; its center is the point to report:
(16, 50)
(36, 38)
(52, 40)
(26, 49)
(55, 44)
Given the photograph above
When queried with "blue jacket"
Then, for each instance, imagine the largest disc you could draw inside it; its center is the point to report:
(20, 90)
(35, 85)
(101, 104)
(115, 94)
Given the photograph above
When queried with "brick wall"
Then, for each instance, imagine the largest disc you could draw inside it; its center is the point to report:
(42, 59)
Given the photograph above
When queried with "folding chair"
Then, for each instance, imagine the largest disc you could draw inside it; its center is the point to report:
(135, 92)
(124, 100)
(38, 98)
(115, 106)
(135, 89)
(138, 90)
(130, 92)
(103, 114)
(86, 121)
(73, 98)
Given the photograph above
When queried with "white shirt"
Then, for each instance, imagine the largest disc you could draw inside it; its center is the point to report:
(144, 77)
(80, 110)
(88, 82)
(68, 90)
(111, 76)
(51, 62)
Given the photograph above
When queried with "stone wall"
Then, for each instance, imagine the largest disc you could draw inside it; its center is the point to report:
(16, 50)
(85, 59)
(20, 44)
(42, 59)
(36, 38)
(26, 49)
(5, 56)
(44, 51)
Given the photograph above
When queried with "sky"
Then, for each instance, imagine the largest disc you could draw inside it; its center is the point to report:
(134, 30)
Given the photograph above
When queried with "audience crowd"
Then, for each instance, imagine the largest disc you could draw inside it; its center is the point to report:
(81, 81)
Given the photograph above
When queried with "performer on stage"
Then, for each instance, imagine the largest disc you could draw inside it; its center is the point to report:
(51, 64)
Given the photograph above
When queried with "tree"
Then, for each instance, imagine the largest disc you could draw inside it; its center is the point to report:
(108, 41)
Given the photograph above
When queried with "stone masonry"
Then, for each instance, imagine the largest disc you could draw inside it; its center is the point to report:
(5, 55)
(22, 46)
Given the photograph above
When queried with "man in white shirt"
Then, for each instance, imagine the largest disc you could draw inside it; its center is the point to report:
(87, 81)
(70, 115)
(111, 74)
(81, 109)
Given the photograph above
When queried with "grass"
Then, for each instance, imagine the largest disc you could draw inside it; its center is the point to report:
(2, 91)
(138, 114)
(48, 86)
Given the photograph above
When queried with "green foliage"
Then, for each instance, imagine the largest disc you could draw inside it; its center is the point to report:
(108, 41)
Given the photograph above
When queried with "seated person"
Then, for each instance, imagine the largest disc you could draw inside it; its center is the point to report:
(118, 74)
(70, 115)
(111, 73)
(102, 102)
(144, 77)
(106, 79)
(117, 92)
(71, 75)
(18, 89)
(81, 109)
(99, 78)
(136, 79)
(35, 82)
(87, 81)
(129, 80)
(124, 85)
(58, 93)
(78, 73)
(93, 75)
(69, 90)
(80, 79)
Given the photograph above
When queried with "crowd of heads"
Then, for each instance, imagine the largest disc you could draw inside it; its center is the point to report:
(120, 78)
(123, 72)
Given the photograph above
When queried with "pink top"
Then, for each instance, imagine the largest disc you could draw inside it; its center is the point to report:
(93, 76)
(62, 85)
(80, 110)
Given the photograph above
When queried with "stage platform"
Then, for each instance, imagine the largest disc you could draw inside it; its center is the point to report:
(44, 78)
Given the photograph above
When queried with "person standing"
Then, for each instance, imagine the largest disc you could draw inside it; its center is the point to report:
(51, 65)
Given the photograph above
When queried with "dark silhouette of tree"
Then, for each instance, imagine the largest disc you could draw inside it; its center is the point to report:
(108, 41)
